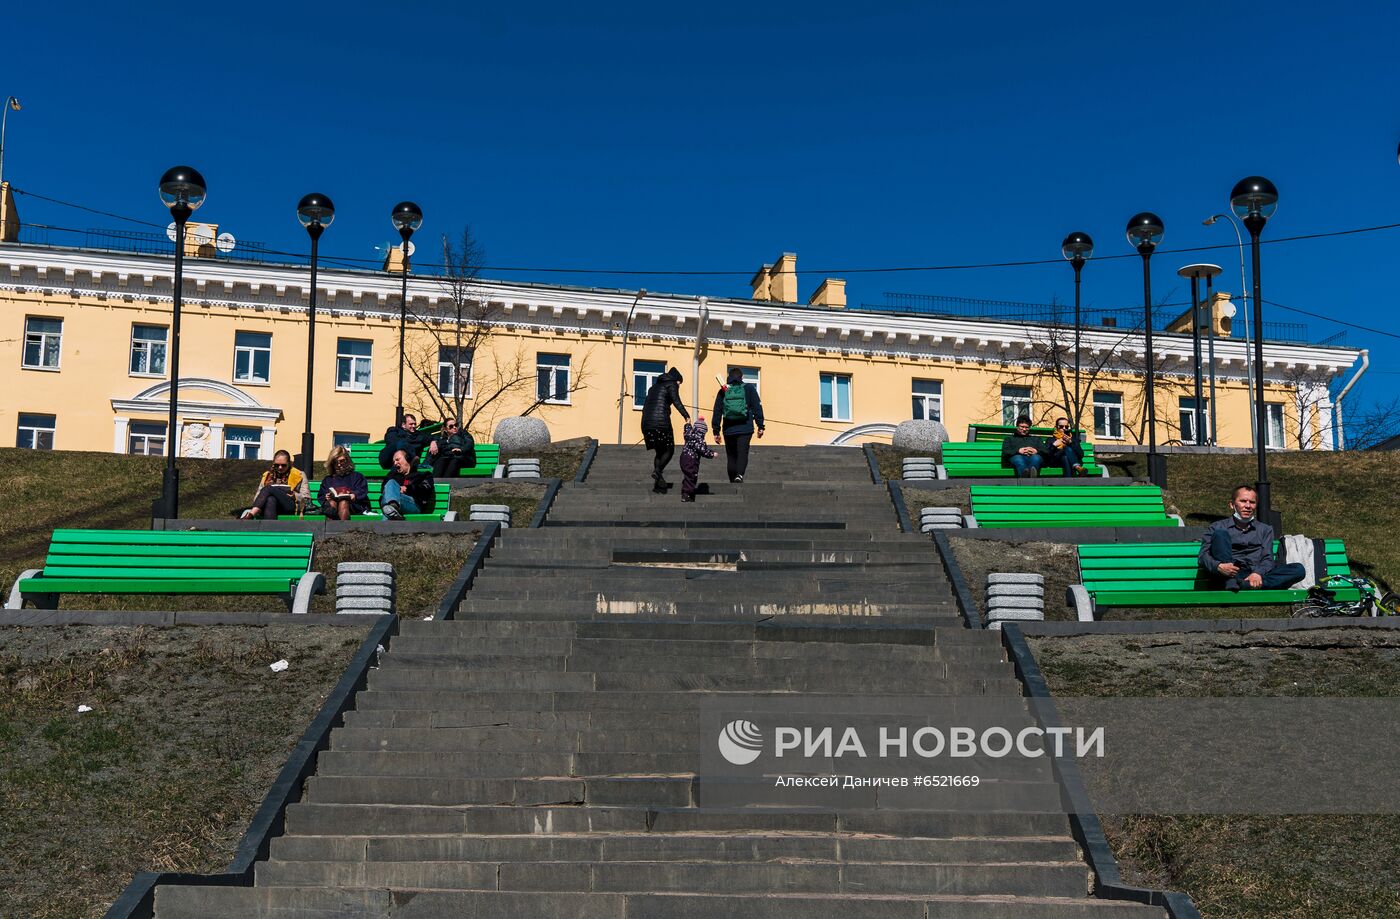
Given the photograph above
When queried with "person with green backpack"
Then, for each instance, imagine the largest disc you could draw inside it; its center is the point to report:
(738, 412)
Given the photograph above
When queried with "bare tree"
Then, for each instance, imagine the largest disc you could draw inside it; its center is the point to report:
(1371, 425)
(465, 366)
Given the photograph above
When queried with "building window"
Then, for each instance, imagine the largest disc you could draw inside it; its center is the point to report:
(252, 357)
(35, 432)
(1015, 402)
(352, 364)
(1189, 434)
(1273, 425)
(750, 375)
(455, 370)
(1108, 415)
(148, 350)
(242, 443)
(928, 400)
(43, 339)
(836, 397)
(146, 438)
(552, 378)
(644, 374)
(345, 439)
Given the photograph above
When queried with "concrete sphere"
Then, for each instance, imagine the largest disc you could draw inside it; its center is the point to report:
(516, 434)
(926, 437)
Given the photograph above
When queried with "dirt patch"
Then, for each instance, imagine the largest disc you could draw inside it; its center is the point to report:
(890, 461)
(959, 497)
(557, 461)
(523, 500)
(189, 727)
(1059, 563)
(1247, 867)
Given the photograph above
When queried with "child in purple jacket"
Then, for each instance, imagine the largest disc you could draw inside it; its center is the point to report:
(691, 453)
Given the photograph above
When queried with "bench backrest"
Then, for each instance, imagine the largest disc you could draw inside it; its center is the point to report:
(999, 432)
(366, 458)
(1089, 505)
(177, 554)
(442, 491)
(983, 457)
(1164, 566)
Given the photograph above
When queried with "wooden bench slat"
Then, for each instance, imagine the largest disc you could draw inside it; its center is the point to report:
(66, 585)
(183, 537)
(114, 550)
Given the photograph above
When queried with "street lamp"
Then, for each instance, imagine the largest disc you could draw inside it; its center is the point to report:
(1244, 298)
(315, 212)
(1254, 200)
(622, 386)
(1078, 248)
(1145, 231)
(1195, 273)
(11, 105)
(182, 189)
(406, 217)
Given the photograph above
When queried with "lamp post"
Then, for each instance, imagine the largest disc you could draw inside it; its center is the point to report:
(622, 385)
(1244, 297)
(406, 217)
(11, 105)
(182, 189)
(1078, 248)
(1145, 232)
(1254, 200)
(315, 212)
(1195, 273)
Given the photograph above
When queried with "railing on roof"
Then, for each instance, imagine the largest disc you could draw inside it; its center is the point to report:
(139, 241)
(1126, 318)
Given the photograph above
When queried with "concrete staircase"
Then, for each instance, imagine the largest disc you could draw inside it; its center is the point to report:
(537, 756)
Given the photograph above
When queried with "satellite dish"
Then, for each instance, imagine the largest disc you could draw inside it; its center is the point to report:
(225, 242)
(203, 234)
(411, 247)
(396, 247)
(170, 231)
(1228, 310)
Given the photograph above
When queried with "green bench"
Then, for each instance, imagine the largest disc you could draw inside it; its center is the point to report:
(366, 457)
(982, 460)
(1002, 506)
(999, 432)
(172, 562)
(441, 490)
(1167, 574)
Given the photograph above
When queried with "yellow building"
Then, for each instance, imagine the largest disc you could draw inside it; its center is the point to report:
(85, 349)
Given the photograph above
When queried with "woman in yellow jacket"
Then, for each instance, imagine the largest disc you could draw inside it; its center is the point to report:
(282, 490)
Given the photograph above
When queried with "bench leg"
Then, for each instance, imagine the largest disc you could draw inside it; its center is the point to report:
(449, 517)
(1078, 599)
(300, 601)
(941, 471)
(970, 521)
(1177, 518)
(40, 601)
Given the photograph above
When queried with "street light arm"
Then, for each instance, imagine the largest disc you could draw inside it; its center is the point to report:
(622, 381)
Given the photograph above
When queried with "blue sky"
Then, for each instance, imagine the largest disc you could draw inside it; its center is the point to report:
(636, 136)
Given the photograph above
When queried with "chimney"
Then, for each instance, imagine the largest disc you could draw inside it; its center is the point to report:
(199, 240)
(1223, 324)
(831, 294)
(393, 260)
(777, 282)
(9, 217)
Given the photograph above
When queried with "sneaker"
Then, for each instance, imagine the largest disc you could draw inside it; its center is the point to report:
(391, 511)
(738, 479)
(688, 499)
(1079, 470)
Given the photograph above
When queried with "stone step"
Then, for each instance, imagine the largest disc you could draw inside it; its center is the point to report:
(311, 819)
(191, 902)
(735, 848)
(698, 650)
(1057, 879)
(941, 611)
(872, 631)
(628, 662)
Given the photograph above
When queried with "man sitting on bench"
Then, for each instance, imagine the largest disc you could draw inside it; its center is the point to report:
(1239, 549)
(406, 489)
(1021, 451)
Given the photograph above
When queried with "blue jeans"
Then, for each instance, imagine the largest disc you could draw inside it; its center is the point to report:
(394, 492)
(1072, 455)
(1278, 577)
(1023, 463)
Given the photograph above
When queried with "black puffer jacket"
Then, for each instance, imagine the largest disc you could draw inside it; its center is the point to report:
(664, 393)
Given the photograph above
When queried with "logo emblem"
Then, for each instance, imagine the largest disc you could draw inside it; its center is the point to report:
(740, 742)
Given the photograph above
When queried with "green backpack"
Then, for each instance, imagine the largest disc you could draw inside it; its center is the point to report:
(736, 404)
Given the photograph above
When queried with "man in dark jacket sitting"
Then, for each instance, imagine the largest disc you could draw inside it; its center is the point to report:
(404, 437)
(1239, 550)
(451, 449)
(1021, 451)
(406, 490)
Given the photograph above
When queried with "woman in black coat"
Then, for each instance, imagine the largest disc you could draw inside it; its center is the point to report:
(656, 423)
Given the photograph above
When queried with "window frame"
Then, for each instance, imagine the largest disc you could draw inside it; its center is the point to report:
(147, 436)
(342, 355)
(146, 348)
(244, 444)
(35, 430)
(917, 396)
(1016, 404)
(751, 375)
(1116, 407)
(555, 369)
(253, 351)
(1272, 409)
(346, 438)
(42, 342)
(836, 379)
(1183, 413)
(451, 366)
(639, 392)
